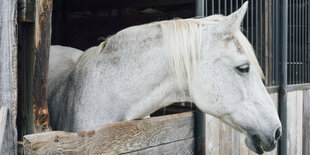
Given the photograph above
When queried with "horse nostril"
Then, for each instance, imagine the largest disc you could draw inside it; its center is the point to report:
(278, 133)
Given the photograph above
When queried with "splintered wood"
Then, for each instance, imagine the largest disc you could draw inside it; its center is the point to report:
(172, 132)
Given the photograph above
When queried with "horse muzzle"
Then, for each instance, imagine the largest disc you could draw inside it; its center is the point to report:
(260, 143)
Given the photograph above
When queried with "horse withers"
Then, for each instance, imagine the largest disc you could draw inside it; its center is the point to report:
(140, 69)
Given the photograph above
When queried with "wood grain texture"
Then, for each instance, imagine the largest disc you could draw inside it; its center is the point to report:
(123, 137)
(294, 122)
(26, 12)
(42, 46)
(306, 123)
(225, 139)
(8, 72)
(299, 113)
(25, 120)
(291, 125)
(184, 147)
(3, 116)
(212, 135)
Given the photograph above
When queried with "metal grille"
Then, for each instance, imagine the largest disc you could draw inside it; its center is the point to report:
(298, 42)
(261, 26)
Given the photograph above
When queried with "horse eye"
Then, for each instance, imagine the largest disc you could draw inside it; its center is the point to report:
(243, 68)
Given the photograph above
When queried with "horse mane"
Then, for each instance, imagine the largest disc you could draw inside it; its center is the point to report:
(182, 38)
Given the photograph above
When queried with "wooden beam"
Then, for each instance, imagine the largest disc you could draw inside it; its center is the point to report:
(34, 42)
(3, 116)
(306, 123)
(186, 146)
(8, 72)
(26, 10)
(123, 137)
(41, 54)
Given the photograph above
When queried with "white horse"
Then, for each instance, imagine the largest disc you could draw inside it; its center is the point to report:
(140, 69)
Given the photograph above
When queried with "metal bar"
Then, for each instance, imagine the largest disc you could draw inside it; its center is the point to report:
(307, 39)
(283, 79)
(243, 19)
(256, 30)
(212, 7)
(247, 24)
(303, 40)
(206, 7)
(303, 43)
(252, 24)
(277, 46)
(272, 89)
(231, 6)
(200, 116)
(270, 45)
(199, 8)
(299, 42)
(225, 7)
(296, 87)
(273, 42)
(294, 44)
(200, 147)
(219, 6)
(261, 36)
(290, 43)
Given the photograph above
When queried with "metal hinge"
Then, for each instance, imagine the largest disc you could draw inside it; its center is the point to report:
(26, 10)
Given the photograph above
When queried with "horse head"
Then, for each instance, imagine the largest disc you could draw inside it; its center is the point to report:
(228, 83)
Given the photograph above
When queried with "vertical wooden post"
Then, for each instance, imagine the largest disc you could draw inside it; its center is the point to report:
(3, 116)
(41, 55)
(8, 72)
(34, 44)
(306, 123)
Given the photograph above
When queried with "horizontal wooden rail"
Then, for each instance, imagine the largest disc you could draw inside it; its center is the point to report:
(124, 137)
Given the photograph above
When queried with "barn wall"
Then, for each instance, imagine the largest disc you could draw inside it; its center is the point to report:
(8, 72)
(222, 139)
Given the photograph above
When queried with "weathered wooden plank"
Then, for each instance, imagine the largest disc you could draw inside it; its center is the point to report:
(298, 113)
(8, 72)
(41, 55)
(306, 123)
(34, 42)
(186, 147)
(212, 135)
(291, 123)
(294, 122)
(243, 148)
(274, 97)
(235, 142)
(26, 11)
(3, 116)
(25, 123)
(225, 139)
(123, 137)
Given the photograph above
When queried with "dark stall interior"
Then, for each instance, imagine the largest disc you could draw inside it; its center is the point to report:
(82, 24)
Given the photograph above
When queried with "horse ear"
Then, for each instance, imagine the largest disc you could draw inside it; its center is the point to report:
(232, 22)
